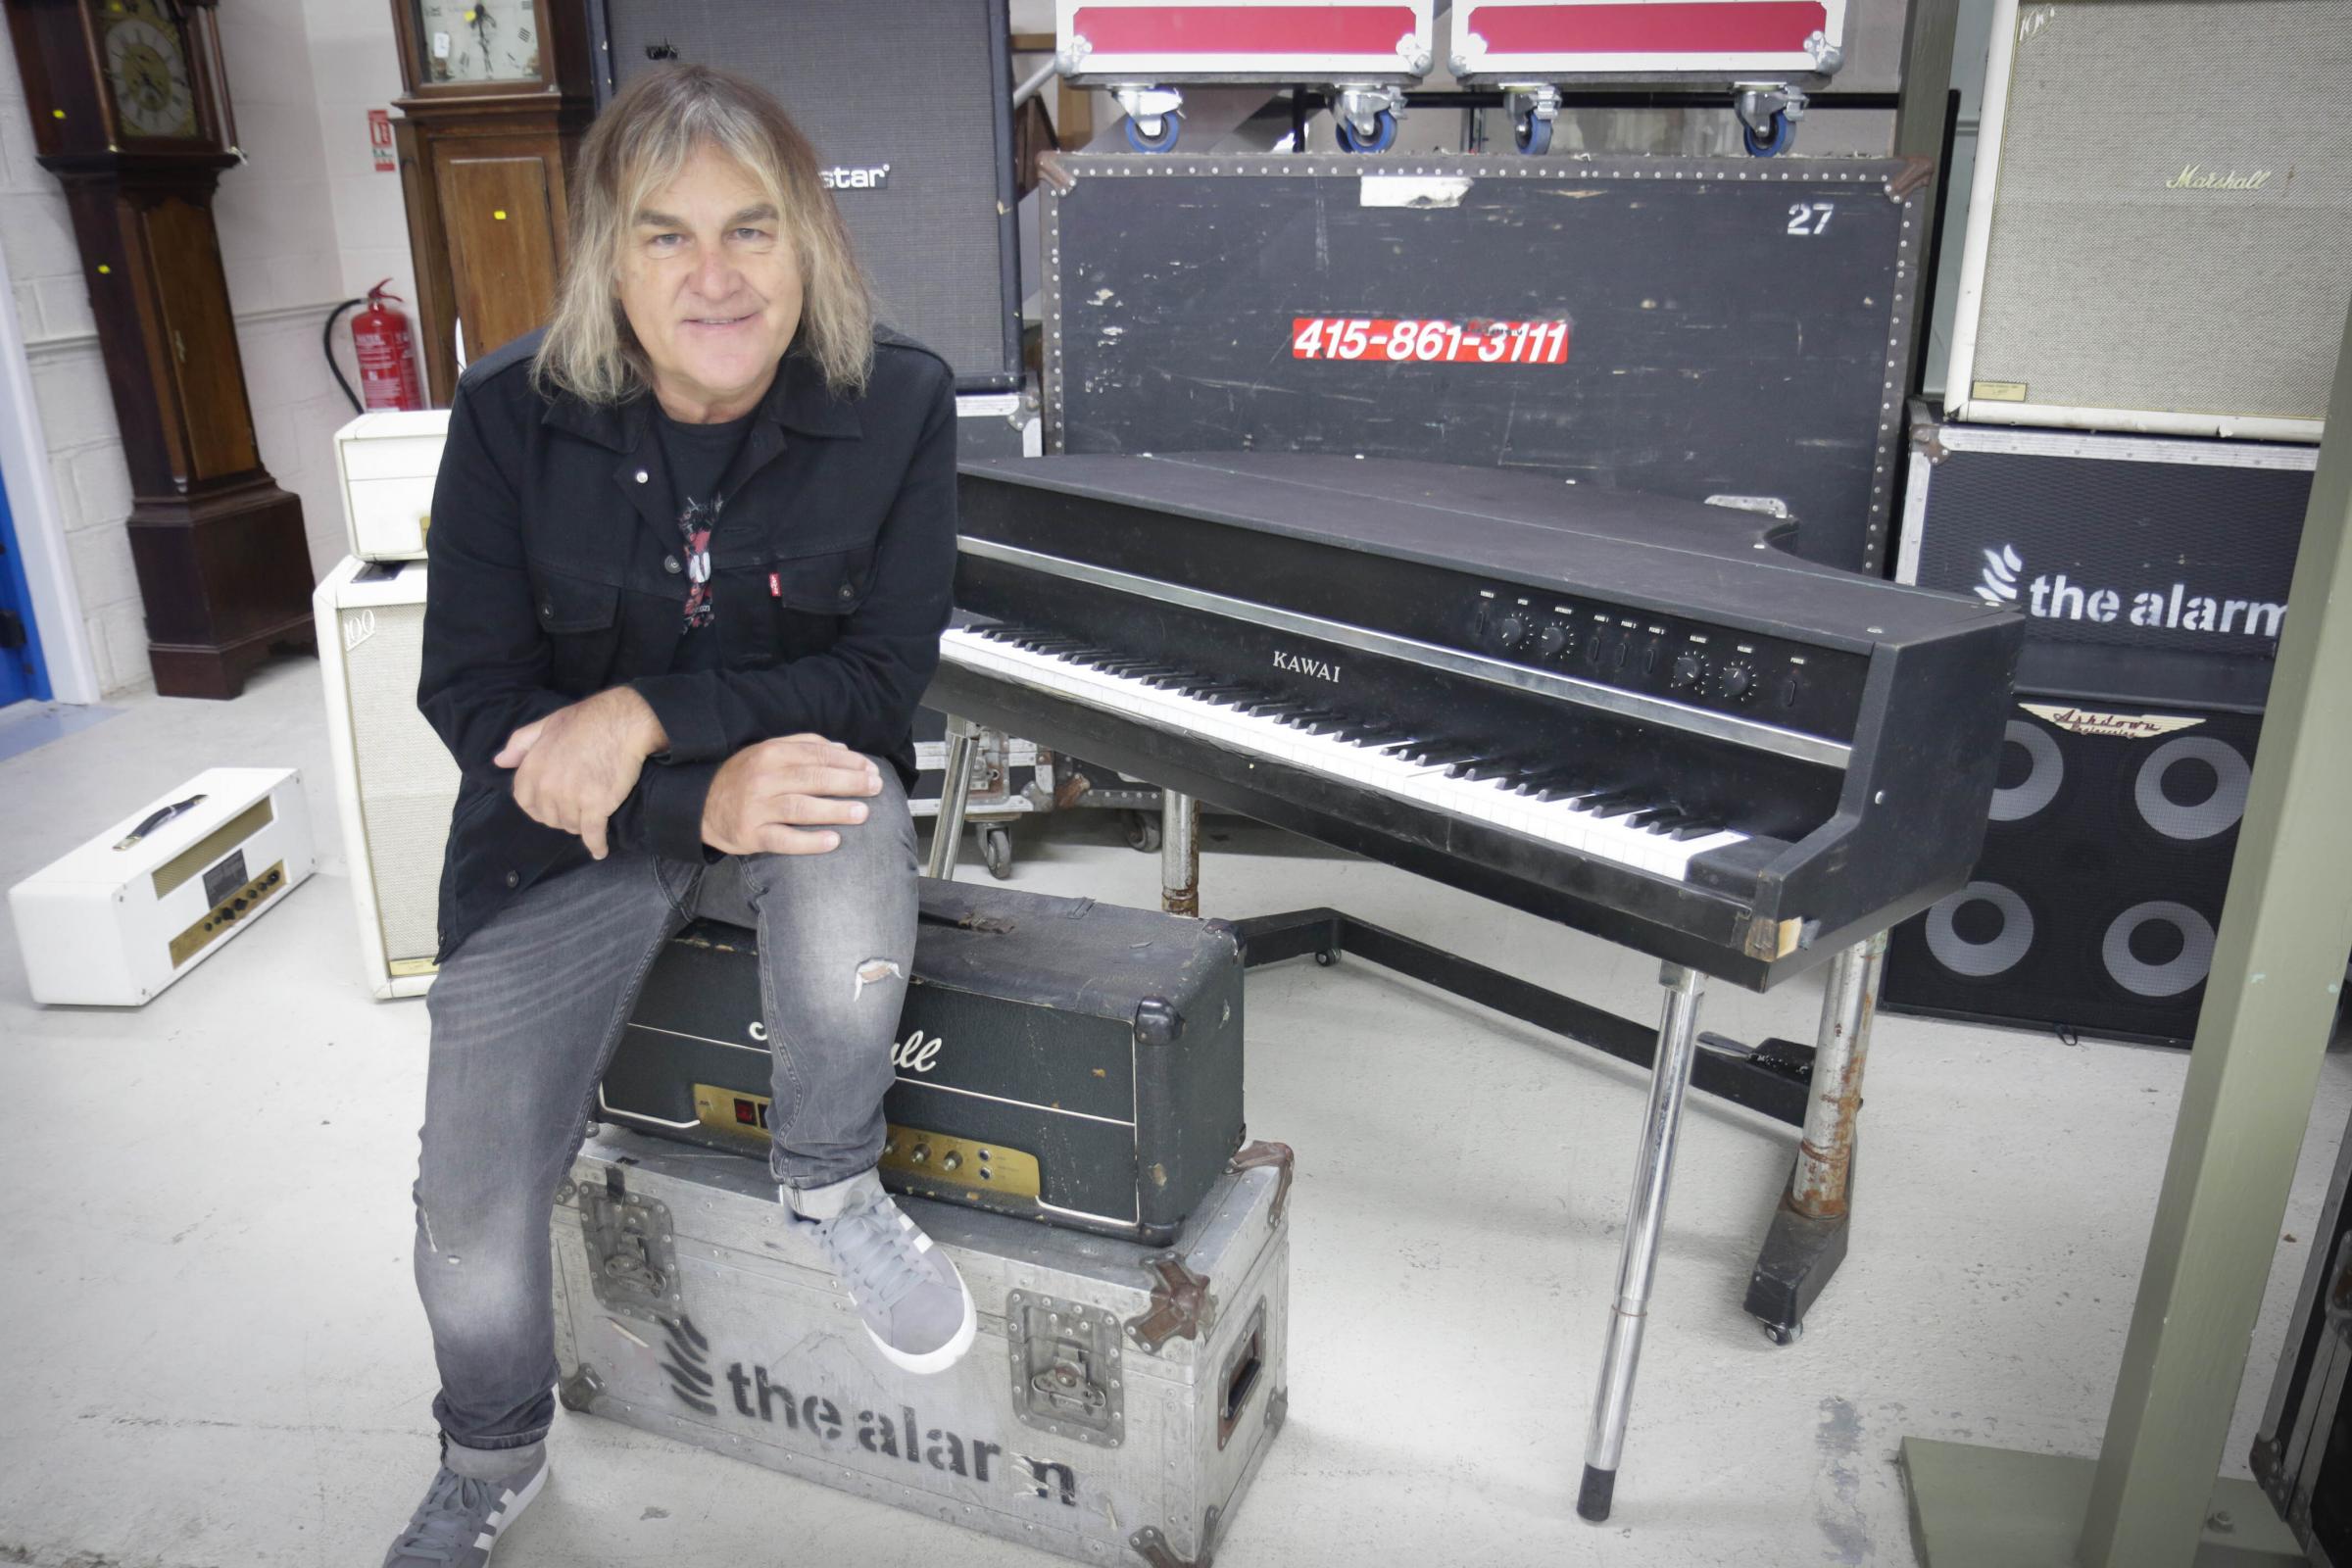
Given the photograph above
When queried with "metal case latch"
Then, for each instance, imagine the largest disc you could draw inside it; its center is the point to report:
(1065, 1368)
(633, 1249)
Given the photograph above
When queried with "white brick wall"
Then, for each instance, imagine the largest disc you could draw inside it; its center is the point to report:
(305, 222)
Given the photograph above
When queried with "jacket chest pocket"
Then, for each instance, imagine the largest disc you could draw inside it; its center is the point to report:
(784, 609)
(581, 620)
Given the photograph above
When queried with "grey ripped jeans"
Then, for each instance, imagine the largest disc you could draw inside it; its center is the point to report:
(524, 1017)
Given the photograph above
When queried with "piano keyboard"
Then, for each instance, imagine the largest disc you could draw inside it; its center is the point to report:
(1562, 804)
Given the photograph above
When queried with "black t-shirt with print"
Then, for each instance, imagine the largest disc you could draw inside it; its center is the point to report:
(699, 456)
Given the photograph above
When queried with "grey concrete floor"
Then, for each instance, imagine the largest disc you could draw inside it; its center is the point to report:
(215, 1354)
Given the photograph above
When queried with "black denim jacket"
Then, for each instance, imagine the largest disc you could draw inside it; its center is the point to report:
(556, 572)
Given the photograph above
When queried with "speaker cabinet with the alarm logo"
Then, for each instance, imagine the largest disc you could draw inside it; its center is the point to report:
(2094, 905)
(2153, 575)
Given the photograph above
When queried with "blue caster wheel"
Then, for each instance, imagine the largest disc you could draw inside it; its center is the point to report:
(1532, 135)
(1166, 141)
(1773, 145)
(1383, 134)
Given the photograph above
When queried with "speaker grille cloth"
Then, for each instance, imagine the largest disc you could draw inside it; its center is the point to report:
(2105, 289)
(407, 782)
(912, 84)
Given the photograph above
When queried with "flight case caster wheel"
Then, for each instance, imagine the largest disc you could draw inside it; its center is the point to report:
(1143, 832)
(996, 849)
(1161, 140)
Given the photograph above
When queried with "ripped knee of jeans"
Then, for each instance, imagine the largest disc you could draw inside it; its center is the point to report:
(873, 971)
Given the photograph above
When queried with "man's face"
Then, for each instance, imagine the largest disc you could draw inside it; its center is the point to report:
(711, 288)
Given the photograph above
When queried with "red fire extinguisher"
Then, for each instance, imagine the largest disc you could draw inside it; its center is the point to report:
(379, 334)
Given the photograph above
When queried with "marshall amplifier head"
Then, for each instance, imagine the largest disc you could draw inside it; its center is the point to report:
(141, 904)
(2160, 234)
(1060, 1060)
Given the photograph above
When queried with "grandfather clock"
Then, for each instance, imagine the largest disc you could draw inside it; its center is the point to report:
(498, 97)
(130, 112)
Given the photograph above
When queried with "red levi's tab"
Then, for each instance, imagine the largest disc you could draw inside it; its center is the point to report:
(775, 586)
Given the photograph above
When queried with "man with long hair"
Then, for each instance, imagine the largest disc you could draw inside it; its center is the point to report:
(692, 550)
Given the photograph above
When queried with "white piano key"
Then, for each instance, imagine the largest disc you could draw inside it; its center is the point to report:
(1484, 800)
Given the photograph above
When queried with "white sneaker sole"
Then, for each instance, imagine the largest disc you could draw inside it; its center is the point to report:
(947, 1354)
(507, 1512)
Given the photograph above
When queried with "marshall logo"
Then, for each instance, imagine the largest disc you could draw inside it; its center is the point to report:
(2052, 597)
(2196, 176)
(839, 179)
(885, 1433)
(918, 1052)
(1298, 665)
(2124, 726)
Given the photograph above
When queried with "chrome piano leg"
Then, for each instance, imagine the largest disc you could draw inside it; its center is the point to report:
(1808, 1237)
(1179, 854)
(1645, 1216)
(955, 792)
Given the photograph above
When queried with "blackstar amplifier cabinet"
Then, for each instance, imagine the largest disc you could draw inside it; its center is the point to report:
(910, 105)
(394, 783)
(1627, 323)
(2154, 577)
(1059, 1059)
(2160, 235)
(139, 906)
(2303, 1455)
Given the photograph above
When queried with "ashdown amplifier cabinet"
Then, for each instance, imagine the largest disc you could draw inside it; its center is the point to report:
(394, 783)
(2154, 577)
(2160, 234)
(910, 105)
(387, 461)
(127, 913)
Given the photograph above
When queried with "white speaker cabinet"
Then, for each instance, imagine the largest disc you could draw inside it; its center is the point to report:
(387, 463)
(2160, 233)
(130, 911)
(395, 782)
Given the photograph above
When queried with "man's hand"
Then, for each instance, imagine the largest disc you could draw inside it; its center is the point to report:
(574, 767)
(775, 797)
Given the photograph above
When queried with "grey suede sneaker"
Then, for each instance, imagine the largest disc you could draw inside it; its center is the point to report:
(462, 1518)
(913, 1301)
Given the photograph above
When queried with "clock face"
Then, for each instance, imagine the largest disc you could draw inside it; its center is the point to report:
(147, 71)
(478, 40)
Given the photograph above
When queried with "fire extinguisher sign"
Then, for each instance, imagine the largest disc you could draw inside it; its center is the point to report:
(1474, 342)
(379, 139)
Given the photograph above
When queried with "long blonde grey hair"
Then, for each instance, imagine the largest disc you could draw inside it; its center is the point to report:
(637, 146)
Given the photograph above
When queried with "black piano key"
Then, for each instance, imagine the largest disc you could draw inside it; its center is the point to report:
(1656, 816)
(1695, 828)
(1505, 766)
(1622, 803)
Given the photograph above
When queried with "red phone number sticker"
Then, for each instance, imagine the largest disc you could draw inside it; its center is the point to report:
(1343, 337)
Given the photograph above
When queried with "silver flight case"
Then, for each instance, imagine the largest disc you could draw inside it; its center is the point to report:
(1117, 1404)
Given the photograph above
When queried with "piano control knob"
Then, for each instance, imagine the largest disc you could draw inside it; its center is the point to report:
(1687, 668)
(1551, 640)
(1509, 630)
(1738, 682)
(919, 1155)
(951, 1161)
